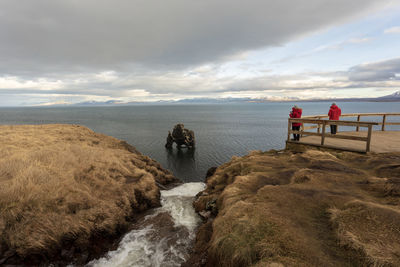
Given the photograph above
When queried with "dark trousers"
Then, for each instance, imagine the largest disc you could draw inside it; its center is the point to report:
(296, 137)
(333, 129)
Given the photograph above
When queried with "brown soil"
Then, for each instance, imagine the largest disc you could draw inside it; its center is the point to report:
(314, 208)
(67, 193)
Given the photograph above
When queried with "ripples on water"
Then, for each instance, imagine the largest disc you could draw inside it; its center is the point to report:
(221, 130)
(162, 238)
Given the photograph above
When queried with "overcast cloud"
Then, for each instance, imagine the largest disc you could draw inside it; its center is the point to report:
(156, 49)
(48, 35)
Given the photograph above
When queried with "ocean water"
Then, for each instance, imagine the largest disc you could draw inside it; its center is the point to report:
(221, 130)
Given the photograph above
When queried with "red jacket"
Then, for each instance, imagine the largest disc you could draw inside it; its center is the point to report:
(334, 113)
(296, 113)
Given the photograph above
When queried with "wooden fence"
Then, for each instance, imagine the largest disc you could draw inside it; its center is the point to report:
(382, 121)
(320, 124)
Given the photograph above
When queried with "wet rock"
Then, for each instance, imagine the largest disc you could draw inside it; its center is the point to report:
(66, 254)
(212, 206)
(181, 136)
(205, 214)
(84, 256)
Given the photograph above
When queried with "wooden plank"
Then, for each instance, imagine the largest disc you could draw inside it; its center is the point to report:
(383, 122)
(337, 136)
(358, 119)
(306, 133)
(313, 121)
(348, 137)
(351, 123)
(329, 122)
(369, 139)
(327, 146)
(355, 115)
(323, 133)
(288, 135)
(388, 123)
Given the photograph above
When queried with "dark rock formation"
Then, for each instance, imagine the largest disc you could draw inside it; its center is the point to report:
(181, 136)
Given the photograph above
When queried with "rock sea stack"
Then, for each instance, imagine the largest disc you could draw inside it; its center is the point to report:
(181, 136)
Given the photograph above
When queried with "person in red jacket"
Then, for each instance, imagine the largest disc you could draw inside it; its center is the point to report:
(296, 113)
(334, 114)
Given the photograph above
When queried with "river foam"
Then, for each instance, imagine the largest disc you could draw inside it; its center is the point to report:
(162, 238)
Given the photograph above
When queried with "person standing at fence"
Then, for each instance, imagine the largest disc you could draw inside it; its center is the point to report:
(334, 114)
(296, 114)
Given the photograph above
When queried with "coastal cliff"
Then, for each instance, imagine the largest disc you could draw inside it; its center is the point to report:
(67, 192)
(312, 208)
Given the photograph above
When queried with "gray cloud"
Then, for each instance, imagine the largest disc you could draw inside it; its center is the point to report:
(47, 37)
(378, 71)
(202, 82)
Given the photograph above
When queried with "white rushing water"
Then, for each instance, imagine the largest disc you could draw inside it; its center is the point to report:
(158, 240)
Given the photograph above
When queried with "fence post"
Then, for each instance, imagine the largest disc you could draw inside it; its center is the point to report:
(288, 130)
(383, 122)
(358, 119)
(302, 129)
(369, 138)
(323, 133)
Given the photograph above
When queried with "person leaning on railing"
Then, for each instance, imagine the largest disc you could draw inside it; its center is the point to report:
(296, 114)
(334, 114)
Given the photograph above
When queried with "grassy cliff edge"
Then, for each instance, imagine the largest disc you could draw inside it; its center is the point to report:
(313, 208)
(65, 189)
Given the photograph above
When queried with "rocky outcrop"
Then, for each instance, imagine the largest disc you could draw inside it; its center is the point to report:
(67, 193)
(313, 208)
(181, 136)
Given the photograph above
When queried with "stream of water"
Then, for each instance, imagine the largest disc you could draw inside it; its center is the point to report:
(162, 238)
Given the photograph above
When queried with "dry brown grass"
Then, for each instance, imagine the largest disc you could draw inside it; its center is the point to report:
(376, 237)
(65, 183)
(306, 209)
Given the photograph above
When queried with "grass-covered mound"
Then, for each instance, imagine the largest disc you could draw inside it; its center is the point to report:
(301, 209)
(65, 186)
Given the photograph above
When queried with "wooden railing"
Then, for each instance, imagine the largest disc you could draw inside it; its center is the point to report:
(319, 122)
(382, 121)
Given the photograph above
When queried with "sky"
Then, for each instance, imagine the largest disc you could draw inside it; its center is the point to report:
(71, 51)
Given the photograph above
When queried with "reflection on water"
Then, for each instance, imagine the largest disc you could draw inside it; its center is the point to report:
(182, 160)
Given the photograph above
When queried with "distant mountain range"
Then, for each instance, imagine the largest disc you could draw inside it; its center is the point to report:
(395, 97)
(166, 102)
(388, 98)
